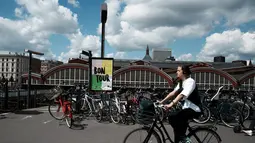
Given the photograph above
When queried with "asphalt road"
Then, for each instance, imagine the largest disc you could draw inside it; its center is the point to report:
(37, 126)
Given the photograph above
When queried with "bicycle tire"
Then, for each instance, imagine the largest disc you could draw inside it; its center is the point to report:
(69, 118)
(239, 116)
(99, 115)
(207, 117)
(117, 119)
(69, 123)
(58, 110)
(244, 108)
(154, 133)
(194, 133)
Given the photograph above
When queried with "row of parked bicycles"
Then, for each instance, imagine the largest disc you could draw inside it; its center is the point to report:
(123, 106)
(118, 106)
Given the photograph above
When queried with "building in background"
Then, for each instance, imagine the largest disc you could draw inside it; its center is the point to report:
(145, 72)
(161, 54)
(147, 56)
(16, 64)
(48, 64)
(219, 59)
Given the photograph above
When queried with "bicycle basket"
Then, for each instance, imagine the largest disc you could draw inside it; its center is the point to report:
(145, 118)
(53, 93)
(146, 112)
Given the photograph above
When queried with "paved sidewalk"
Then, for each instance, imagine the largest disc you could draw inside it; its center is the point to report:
(37, 126)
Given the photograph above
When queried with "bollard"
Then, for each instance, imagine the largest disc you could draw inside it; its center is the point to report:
(6, 97)
(18, 99)
(35, 95)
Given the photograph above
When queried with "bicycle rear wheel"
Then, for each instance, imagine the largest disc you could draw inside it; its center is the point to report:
(204, 117)
(231, 117)
(204, 135)
(69, 116)
(242, 107)
(139, 135)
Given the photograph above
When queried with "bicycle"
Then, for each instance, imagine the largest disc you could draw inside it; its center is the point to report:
(154, 127)
(206, 114)
(63, 102)
(248, 129)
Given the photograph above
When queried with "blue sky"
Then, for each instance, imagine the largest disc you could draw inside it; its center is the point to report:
(195, 30)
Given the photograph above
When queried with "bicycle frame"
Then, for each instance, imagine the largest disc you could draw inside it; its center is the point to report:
(66, 106)
(92, 107)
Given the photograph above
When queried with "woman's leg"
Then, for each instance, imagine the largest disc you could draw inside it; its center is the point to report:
(180, 123)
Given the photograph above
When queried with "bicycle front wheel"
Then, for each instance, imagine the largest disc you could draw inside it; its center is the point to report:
(140, 134)
(55, 110)
(204, 135)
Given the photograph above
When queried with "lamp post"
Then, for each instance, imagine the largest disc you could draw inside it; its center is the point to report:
(103, 21)
(29, 74)
(89, 54)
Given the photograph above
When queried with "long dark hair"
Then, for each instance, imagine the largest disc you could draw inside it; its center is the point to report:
(186, 70)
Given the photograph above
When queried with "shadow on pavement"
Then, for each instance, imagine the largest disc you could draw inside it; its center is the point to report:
(77, 126)
(30, 112)
(2, 117)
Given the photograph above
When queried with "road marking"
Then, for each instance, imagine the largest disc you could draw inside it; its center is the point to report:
(26, 117)
(47, 121)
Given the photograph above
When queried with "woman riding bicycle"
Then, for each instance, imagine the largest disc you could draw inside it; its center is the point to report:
(185, 92)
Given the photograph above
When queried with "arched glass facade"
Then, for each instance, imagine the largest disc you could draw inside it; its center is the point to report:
(68, 75)
(143, 78)
(210, 80)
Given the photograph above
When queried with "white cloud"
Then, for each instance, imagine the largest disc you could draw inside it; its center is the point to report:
(19, 12)
(158, 22)
(117, 55)
(131, 25)
(39, 19)
(185, 57)
(80, 42)
(75, 3)
(233, 44)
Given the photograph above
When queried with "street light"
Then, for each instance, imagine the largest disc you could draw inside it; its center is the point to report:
(29, 73)
(89, 54)
(103, 21)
